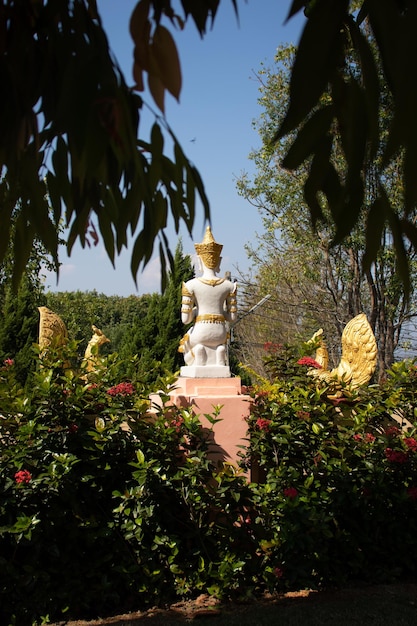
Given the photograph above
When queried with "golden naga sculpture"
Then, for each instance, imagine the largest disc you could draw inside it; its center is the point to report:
(53, 334)
(92, 351)
(52, 330)
(359, 354)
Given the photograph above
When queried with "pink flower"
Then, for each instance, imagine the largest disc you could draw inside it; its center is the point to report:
(412, 493)
(8, 362)
(369, 437)
(263, 424)
(395, 456)
(122, 389)
(290, 492)
(411, 443)
(23, 477)
(357, 437)
(310, 362)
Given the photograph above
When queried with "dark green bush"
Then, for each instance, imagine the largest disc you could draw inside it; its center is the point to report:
(106, 507)
(339, 496)
(108, 504)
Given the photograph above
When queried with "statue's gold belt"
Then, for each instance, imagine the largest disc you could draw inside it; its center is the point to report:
(210, 318)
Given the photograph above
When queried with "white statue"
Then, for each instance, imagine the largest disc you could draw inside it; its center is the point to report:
(209, 302)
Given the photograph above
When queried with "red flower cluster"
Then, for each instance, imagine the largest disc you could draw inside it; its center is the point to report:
(122, 389)
(263, 424)
(392, 431)
(278, 571)
(23, 477)
(8, 362)
(290, 492)
(411, 443)
(270, 346)
(73, 428)
(303, 415)
(395, 456)
(177, 422)
(309, 361)
(368, 437)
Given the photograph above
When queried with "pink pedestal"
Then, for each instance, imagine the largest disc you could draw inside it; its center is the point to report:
(202, 394)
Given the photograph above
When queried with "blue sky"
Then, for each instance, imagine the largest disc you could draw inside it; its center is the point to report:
(212, 121)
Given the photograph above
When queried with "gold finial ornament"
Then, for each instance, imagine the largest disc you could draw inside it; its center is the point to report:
(209, 250)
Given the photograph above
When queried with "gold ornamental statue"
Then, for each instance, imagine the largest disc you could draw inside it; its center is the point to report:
(210, 302)
(91, 355)
(52, 330)
(359, 354)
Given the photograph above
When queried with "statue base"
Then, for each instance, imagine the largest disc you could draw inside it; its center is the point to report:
(205, 371)
(228, 437)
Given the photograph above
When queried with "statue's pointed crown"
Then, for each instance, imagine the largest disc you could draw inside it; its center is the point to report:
(209, 250)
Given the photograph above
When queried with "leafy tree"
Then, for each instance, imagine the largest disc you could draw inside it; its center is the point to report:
(19, 316)
(114, 315)
(146, 328)
(155, 336)
(313, 281)
(19, 324)
(69, 124)
(334, 32)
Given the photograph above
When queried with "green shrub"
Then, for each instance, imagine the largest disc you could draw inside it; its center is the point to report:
(109, 504)
(339, 496)
(106, 507)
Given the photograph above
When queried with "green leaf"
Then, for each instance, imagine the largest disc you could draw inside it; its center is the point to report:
(140, 456)
(403, 269)
(316, 60)
(375, 224)
(316, 428)
(410, 231)
(106, 231)
(370, 84)
(350, 107)
(309, 481)
(296, 6)
(346, 215)
(307, 138)
(7, 204)
(322, 178)
(24, 236)
(385, 19)
(165, 54)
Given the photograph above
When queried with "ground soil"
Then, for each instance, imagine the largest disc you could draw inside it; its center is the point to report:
(206, 606)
